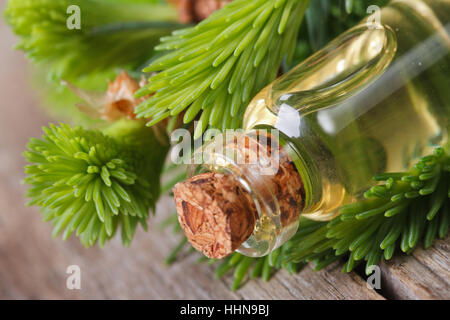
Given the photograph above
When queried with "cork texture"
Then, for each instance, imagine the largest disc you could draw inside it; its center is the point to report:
(286, 184)
(215, 212)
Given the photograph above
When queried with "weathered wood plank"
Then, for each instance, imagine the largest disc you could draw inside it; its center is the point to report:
(36, 265)
(423, 275)
(327, 284)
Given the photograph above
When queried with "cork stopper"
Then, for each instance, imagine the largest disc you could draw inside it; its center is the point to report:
(218, 215)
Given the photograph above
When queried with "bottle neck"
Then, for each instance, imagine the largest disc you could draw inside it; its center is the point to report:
(261, 166)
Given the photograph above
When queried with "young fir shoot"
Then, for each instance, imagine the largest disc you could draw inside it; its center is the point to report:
(216, 67)
(89, 182)
(112, 33)
(405, 209)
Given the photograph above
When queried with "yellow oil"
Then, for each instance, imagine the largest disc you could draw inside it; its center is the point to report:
(372, 101)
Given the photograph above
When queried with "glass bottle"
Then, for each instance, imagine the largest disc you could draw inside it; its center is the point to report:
(373, 100)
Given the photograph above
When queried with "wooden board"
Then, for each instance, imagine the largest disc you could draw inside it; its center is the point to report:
(33, 265)
(424, 275)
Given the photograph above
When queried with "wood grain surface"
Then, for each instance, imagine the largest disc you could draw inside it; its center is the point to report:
(33, 264)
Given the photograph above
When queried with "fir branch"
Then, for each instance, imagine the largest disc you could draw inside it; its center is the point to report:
(113, 33)
(91, 182)
(399, 213)
(216, 67)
